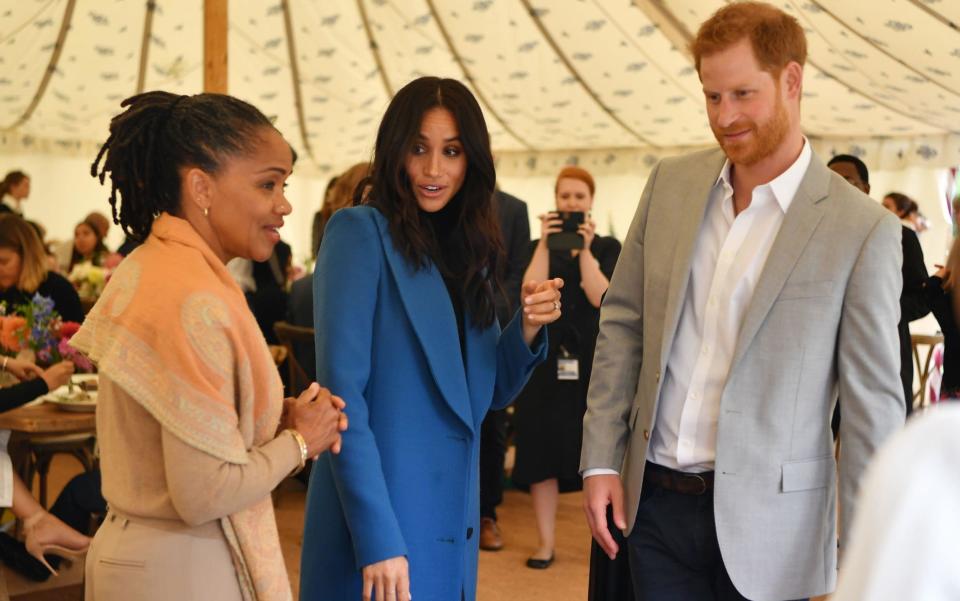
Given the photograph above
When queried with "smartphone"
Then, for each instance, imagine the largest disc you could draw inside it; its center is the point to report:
(568, 238)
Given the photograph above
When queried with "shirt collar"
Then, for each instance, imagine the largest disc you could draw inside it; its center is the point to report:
(785, 185)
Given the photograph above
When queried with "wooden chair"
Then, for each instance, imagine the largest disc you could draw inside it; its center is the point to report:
(290, 335)
(923, 368)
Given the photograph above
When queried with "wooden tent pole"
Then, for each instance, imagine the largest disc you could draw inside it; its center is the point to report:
(215, 46)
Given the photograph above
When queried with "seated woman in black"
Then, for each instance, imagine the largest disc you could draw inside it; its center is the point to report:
(23, 271)
(42, 529)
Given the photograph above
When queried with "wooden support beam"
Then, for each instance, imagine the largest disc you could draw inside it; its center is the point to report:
(215, 46)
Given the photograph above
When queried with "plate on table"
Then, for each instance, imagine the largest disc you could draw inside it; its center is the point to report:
(76, 400)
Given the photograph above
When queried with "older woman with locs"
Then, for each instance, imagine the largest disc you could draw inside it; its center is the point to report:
(189, 415)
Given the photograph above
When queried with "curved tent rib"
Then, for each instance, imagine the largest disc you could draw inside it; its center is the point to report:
(375, 49)
(656, 65)
(880, 49)
(871, 97)
(926, 7)
(467, 73)
(51, 67)
(580, 80)
(145, 45)
(295, 76)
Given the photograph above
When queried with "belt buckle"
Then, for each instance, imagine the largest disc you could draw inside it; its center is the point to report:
(703, 484)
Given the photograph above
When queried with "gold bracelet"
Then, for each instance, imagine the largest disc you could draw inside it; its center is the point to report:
(304, 451)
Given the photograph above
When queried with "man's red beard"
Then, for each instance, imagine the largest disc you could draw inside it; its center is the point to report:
(761, 142)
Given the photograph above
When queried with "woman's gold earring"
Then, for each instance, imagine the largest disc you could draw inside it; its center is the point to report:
(206, 212)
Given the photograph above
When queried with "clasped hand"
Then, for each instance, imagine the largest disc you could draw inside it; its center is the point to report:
(318, 416)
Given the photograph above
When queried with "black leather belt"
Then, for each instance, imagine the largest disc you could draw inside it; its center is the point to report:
(685, 483)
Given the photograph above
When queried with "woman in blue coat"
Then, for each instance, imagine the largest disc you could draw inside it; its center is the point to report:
(407, 336)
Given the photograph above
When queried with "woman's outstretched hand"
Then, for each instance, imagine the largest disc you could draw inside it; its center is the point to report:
(540, 305)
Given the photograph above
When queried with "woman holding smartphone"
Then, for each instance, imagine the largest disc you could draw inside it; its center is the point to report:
(549, 414)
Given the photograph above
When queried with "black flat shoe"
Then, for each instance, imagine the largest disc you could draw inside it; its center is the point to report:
(540, 564)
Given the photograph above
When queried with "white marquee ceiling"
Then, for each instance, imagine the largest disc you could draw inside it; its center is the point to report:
(604, 82)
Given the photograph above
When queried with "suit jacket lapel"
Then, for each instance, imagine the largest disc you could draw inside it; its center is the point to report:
(798, 226)
(692, 207)
(428, 306)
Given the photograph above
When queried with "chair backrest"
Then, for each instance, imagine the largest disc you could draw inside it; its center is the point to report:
(288, 335)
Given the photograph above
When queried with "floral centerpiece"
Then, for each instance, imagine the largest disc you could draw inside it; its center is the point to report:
(35, 330)
(90, 277)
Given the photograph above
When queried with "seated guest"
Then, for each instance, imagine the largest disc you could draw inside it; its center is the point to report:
(23, 271)
(25, 557)
(88, 246)
(45, 534)
(940, 290)
(14, 189)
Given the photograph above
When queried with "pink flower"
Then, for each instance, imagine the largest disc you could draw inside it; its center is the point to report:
(68, 353)
(112, 260)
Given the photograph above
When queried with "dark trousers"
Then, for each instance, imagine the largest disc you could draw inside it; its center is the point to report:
(493, 450)
(81, 498)
(673, 549)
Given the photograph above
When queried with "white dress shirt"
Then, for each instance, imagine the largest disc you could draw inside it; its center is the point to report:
(728, 258)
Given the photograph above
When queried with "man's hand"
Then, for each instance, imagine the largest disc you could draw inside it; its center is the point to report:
(598, 492)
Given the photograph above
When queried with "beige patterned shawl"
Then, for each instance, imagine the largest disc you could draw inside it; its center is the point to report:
(173, 330)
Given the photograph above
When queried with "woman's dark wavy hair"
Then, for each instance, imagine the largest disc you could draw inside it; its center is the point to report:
(477, 235)
(159, 133)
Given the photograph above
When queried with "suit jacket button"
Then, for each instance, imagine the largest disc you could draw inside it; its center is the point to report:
(469, 533)
(646, 434)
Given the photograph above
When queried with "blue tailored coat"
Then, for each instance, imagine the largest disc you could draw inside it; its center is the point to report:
(406, 481)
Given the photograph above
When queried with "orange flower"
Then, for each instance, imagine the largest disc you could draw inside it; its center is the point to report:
(11, 328)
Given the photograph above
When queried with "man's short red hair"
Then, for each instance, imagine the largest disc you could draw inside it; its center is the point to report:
(776, 37)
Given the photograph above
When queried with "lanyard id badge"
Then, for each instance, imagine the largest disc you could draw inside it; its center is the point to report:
(568, 366)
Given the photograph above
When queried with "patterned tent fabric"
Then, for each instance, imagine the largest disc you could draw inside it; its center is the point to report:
(605, 83)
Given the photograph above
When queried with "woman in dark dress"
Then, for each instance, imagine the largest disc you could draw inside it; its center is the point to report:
(549, 414)
(942, 296)
(23, 271)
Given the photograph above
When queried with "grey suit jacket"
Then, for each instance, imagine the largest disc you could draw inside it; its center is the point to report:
(822, 321)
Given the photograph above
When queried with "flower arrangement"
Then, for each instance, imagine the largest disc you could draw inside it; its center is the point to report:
(37, 328)
(90, 277)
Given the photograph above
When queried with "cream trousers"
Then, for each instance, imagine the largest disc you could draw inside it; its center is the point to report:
(159, 560)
